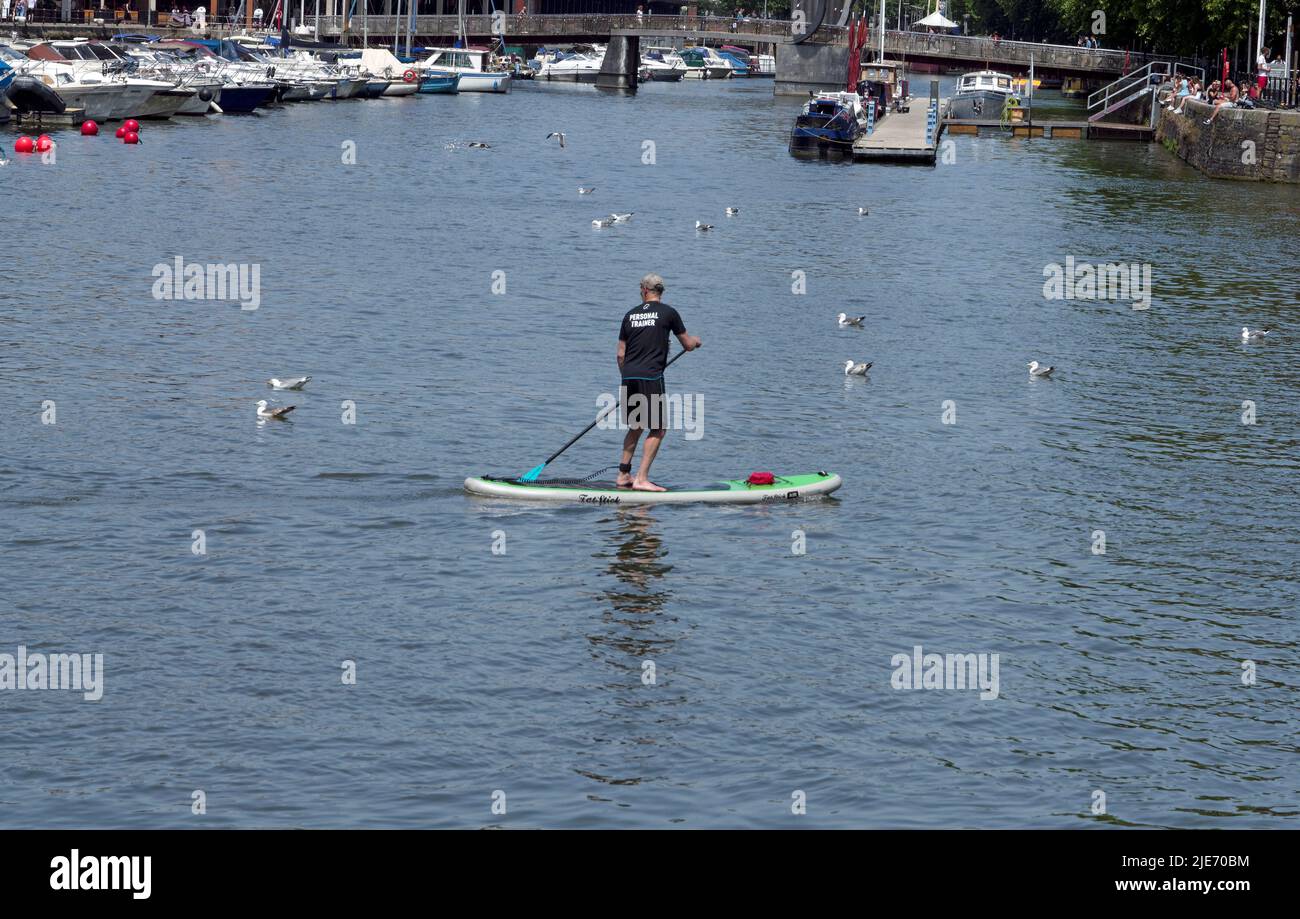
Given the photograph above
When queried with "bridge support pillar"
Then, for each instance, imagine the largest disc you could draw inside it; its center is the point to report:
(621, 64)
(807, 67)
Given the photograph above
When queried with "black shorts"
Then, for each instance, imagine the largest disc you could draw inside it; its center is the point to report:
(641, 404)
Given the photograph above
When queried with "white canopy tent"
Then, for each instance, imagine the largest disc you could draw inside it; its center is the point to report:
(936, 20)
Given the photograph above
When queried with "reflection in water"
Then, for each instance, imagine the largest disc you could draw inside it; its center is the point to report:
(635, 602)
(632, 641)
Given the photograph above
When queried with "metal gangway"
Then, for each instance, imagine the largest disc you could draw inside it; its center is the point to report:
(1131, 87)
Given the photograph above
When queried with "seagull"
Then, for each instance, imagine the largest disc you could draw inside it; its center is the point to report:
(1248, 334)
(703, 226)
(620, 218)
(289, 383)
(1036, 371)
(479, 145)
(857, 370)
(586, 191)
(276, 413)
(733, 211)
(862, 212)
(851, 320)
(559, 134)
(603, 222)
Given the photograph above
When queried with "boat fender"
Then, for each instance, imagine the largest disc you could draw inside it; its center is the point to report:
(205, 94)
(760, 478)
(409, 77)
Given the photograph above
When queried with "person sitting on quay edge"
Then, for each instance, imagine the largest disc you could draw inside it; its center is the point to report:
(1227, 99)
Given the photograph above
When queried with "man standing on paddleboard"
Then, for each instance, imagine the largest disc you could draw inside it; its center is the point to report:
(642, 356)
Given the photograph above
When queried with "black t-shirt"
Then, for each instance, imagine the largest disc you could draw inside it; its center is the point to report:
(645, 329)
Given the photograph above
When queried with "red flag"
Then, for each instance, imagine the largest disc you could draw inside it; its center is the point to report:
(854, 53)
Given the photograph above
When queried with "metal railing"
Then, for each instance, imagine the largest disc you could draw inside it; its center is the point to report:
(523, 26)
(984, 48)
(1129, 88)
(1280, 91)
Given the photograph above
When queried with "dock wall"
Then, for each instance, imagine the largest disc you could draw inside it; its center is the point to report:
(1249, 144)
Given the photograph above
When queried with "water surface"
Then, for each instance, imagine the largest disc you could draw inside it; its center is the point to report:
(523, 671)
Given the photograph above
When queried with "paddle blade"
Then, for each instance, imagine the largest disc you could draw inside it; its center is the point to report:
(532, 474)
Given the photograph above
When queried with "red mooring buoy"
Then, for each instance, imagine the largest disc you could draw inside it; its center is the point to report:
(121, 132)
(44, 143)
(89, 129)
(131, 125)
(130, 137)
(24, 144)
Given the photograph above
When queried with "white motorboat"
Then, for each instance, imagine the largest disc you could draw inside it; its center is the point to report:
(470, 65)
(99, 99)
(981, 94)
(571, 67)
(706, 64)
(144, 98)
(662, 65)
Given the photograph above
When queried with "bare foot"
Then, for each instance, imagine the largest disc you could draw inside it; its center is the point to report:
(645, 485)
(623, 481)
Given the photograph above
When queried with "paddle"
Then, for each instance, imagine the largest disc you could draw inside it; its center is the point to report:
(532, 474)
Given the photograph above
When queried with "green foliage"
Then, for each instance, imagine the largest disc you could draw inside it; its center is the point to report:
(1181, 27)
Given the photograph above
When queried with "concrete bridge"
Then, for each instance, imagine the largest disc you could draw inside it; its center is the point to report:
(819, 62)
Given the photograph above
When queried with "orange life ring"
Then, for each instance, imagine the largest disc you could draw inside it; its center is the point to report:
(409, 77)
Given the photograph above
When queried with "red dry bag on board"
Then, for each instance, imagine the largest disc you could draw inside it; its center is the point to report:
(760, 478)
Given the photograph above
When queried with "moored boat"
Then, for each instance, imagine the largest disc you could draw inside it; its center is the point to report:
(980, 94)
(470, 65)
(440, 84)
(829, 121)
(570, 67)
(662, 65)
(704, 63)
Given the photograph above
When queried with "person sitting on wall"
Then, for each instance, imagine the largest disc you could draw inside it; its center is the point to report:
(1227, 99)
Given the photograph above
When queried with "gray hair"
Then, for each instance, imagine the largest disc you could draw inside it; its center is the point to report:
(653, 282)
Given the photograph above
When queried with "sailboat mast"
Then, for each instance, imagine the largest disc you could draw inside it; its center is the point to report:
(882, 31)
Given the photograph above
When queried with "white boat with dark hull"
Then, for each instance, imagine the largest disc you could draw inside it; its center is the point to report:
(980, 95)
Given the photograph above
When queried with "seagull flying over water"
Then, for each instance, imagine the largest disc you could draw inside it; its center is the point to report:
(733, 211)
(586, 191)
(603, 222)
(559, 134)
(1248, 334)
(276, 413)
(857, 370)
(1036, 371)
(620, 218)
(288, 382)
(703, 226)
(851, 320)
